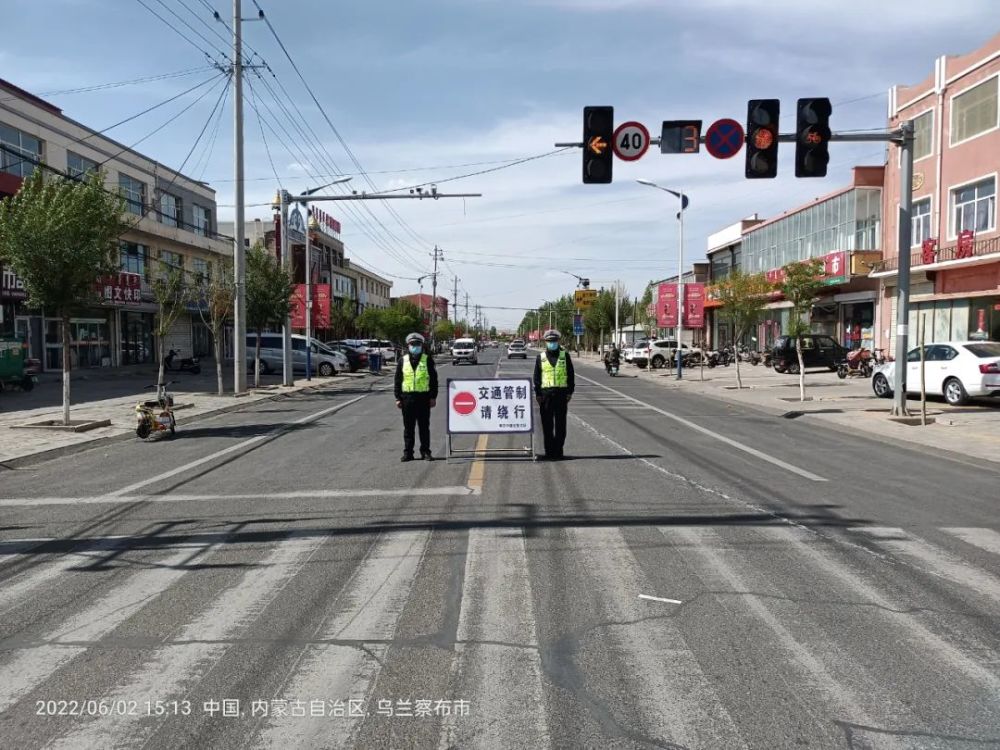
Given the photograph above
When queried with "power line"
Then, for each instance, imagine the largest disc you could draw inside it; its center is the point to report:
(226, 43)
(117, 84)
(214, 45)
(180, 33)
(207, 153)
(486, 171)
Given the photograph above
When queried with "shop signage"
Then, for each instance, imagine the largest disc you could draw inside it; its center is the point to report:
(694, 306)
(296, 226)
(11, 286)
(121, 288)
(320, 306)
(835, 269)
(966, 243)
(489, 405)
(322, 220)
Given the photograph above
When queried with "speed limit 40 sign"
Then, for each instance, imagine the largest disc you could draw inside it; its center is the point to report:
(630, 141)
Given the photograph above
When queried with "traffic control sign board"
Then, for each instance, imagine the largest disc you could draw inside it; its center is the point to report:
(585, 298)
(630, 141)
(724, 138)
(489, 405)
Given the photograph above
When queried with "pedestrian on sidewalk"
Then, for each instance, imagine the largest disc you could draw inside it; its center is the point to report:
(416, 390)
(554, 384)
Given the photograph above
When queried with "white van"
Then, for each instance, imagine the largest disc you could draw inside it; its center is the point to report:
(464, 350)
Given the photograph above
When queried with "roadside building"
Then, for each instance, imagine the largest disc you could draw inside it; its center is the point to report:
(427, 304)
(724, 254)
(955, 252)
(174, 222)
(843, 229)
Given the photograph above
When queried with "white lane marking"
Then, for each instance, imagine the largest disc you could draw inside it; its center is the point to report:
(36, 661)
(986, 539)
(366, 614)
(670, 699)
(295, 495)
(721, 438)
(181, 661)
(660, 599)
(950, 656)
(939, 562)
(497, 649)
(233, 448)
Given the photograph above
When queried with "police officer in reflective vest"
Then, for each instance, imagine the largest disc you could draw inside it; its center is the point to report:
(416, 393)
(554, 385)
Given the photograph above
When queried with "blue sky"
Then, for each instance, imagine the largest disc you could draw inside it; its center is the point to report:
(417, 89)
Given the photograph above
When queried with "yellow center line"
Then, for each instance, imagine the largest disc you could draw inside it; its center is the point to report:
(477, 472)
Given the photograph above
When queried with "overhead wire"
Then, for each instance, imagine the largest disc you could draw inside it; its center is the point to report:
(185, 37)
(214, 45)
(117, 84)
(206, 157)
(392, 212)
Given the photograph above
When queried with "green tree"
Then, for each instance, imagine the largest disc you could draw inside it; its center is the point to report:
(369, 322)
(171, 293)
(444, 330)
(216, 295)
(342, 317)
(742, 297)
(803, 281)
(60, 236)
(269, 294)
(401, 319)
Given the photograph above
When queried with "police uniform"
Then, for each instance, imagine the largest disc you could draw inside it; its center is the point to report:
(416, 390)
(554, 384)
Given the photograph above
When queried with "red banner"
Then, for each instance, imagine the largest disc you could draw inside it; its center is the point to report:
(694, 305)
(121, 289)
(928, 251)
(666, 306)
(320, 306)
(966, 243)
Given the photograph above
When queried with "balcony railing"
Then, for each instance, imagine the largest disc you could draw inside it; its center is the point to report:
(989, 246)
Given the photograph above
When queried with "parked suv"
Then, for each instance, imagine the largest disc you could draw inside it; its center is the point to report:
(662, 351)
(464, 350)
(516, 348)
(817, 351)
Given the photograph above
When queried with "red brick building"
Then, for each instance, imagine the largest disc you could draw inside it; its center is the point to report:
(425, 302)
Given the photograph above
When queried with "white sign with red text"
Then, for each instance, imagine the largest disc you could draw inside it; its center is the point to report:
(490, 405)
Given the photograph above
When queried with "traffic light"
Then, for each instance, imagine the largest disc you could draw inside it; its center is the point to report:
(812, 137)
(762, 138)
(598, 130)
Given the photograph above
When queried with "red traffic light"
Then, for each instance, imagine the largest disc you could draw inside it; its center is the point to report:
(763, 138)
(813, 137)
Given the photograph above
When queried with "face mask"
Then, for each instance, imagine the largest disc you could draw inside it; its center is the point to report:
(552, 345)
(415, 349)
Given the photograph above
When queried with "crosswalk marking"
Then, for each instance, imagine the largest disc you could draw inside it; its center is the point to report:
(346, 667)
(986, 539)
(497, 648)
(197, 646)
(672, 697)
(35, 661)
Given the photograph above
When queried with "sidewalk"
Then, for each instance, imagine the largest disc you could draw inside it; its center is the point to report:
(972, 430)
(26, 446)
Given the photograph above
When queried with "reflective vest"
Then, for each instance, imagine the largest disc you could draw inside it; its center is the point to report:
(419, 380)
(557, 376)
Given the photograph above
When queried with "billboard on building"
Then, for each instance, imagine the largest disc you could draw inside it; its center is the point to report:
(694, 305)
(320, 306)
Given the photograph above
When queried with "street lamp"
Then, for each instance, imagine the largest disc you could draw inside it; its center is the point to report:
(309, 300)
(683, 202)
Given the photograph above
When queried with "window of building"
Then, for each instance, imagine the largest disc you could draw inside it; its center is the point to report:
(134, 259)
(201, 269)
(172, 260)
(79, 166)
(170, 209)
(203, 220)
(974, 206)
(974, 112)
(134, 193)
(19, 152)
(923, 135)
(921, 218)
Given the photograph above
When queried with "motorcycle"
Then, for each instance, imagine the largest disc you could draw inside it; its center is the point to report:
(858, 364)
(768, 358)
(745, 354)
(176, 363)
(611, 366)
(156, 415)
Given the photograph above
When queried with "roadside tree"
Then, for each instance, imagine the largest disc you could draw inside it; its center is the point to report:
(742, 297)
(803, 281)
(215, 296)
(269, 294)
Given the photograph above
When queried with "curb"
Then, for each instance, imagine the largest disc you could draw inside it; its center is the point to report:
(31, 459)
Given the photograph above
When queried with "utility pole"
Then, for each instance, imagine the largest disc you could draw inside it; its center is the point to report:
(287, 374)
(903, 239)
(239, 250)
(466, 309)
(434, 293)
(454, 302)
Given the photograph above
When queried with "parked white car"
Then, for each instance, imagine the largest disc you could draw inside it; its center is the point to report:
(957, 370)
(663, 351)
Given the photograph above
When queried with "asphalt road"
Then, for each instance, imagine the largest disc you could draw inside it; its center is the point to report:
(275, 577)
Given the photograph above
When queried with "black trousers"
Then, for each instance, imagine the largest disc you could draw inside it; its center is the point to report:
(416, 413)
(552, 406)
